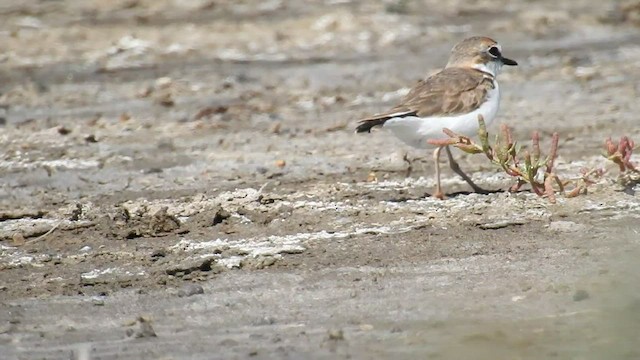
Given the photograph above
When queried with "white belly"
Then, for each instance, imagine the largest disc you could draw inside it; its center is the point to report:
(415, 131)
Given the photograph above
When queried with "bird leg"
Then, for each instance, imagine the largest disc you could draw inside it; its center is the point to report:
(456, 168)
(436, 157)
(409, 164)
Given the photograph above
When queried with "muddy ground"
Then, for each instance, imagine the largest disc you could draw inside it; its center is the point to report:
(180, 179)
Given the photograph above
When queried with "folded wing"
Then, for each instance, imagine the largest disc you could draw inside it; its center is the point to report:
(451, 92)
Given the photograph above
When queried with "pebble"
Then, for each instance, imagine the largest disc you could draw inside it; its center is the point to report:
(190, 290)
(98, 300)
(145, 330)
(163, 82)
(267, 320)
(566, 226)
(18, 239)
(580, 295)
(336, 334)
(158, 253)
(502, 224)
(228, 343)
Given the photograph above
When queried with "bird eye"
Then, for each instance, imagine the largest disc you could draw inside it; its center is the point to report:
(494, 51)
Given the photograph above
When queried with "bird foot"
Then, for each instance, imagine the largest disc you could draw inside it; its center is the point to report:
(439, 195)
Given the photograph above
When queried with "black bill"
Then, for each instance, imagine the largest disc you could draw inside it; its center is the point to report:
(508, 61)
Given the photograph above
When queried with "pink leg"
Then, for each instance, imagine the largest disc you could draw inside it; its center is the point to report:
(436, 157)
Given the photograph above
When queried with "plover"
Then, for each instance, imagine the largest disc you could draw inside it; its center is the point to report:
(453, 99)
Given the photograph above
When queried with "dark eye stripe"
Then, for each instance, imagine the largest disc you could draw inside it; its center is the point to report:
(494, 51)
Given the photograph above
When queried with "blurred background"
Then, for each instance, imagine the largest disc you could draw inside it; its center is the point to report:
(223, 81)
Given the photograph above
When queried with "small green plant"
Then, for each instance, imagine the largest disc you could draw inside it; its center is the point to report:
(531, 167)
(620, 154)
(587, 178)
(527, 167)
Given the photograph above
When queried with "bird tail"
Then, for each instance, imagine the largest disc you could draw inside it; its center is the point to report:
(379, 120)
(366, 125)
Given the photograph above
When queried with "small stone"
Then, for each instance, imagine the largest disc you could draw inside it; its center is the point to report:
(85, 249)
(91, 139)
(580, 295)
(145, 330)
(162, 222)
(228, 343)
(210, 110)
(166, 100)
(220, 216)
(18, 239)
(336, 334)
(163, 82)
(566, 226)
(585, 73)
(275, 128)
(152, 170)
(98, 300)
(281, 163)
(501, 224)
(29, 22)
(267, 320)
(264, 262)
(190, 290)
(190, 265)
(145, 92)
(158, 253)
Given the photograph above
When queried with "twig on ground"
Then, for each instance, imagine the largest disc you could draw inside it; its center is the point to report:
(43, 235)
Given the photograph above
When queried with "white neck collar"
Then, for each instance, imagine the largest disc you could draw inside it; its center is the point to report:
(492, 67)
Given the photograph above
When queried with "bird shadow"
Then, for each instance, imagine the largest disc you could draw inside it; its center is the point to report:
(451, 195)
(484, 192)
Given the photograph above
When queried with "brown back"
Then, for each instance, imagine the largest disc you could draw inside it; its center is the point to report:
(452, 91)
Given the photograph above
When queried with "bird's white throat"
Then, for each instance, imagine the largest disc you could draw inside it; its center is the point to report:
(492, 67)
